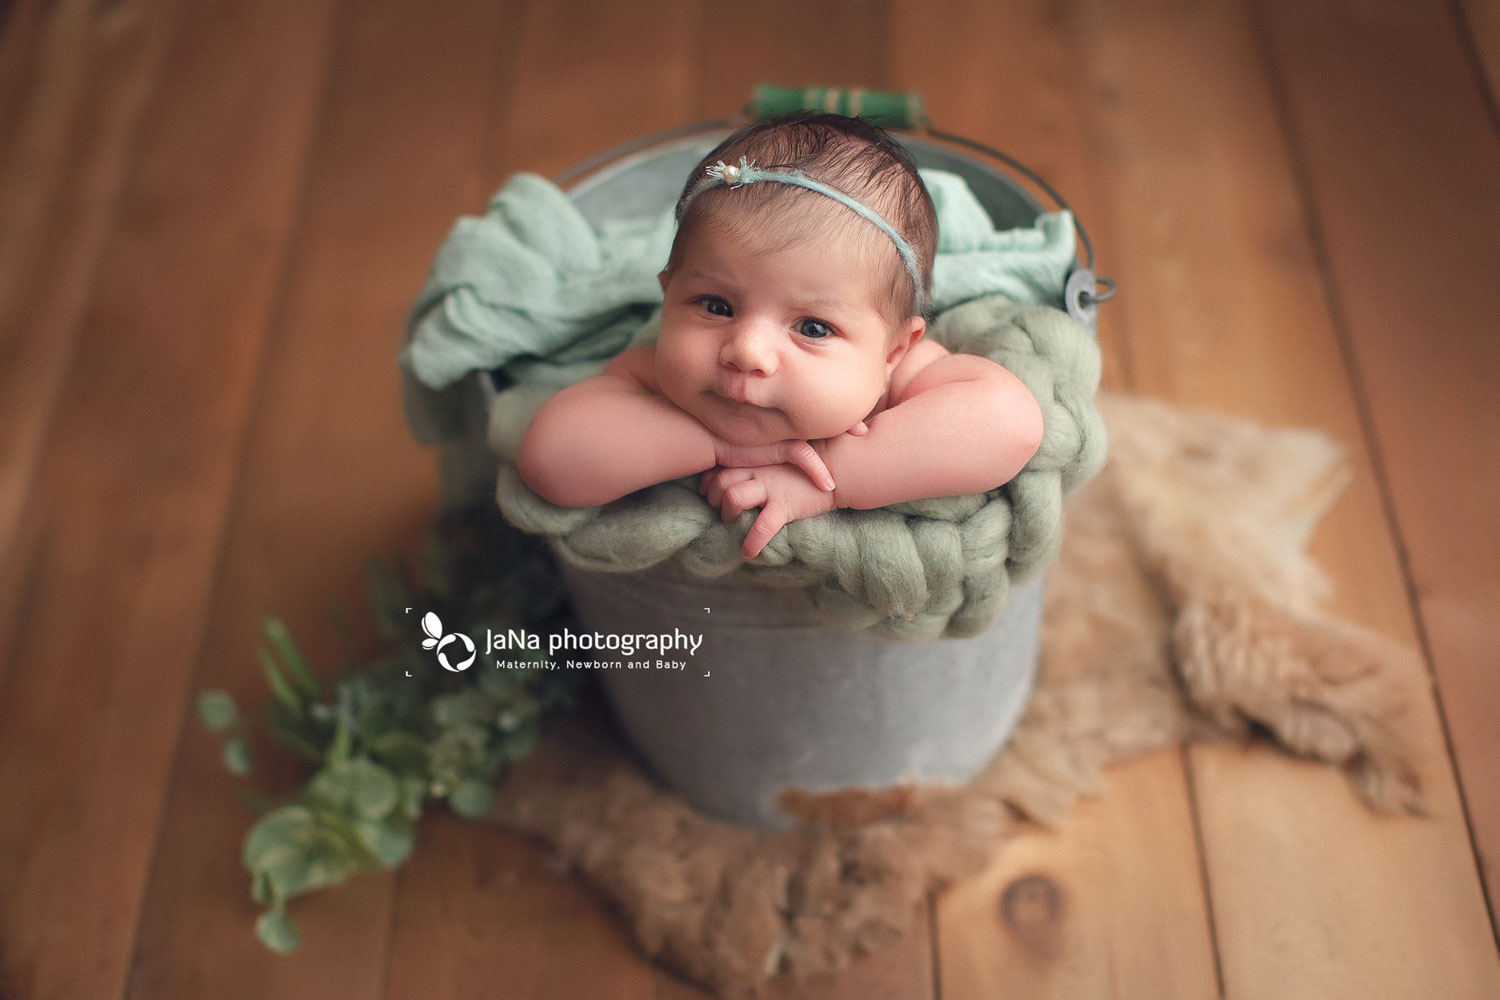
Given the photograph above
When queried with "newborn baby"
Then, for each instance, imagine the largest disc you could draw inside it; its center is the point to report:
(790, 368)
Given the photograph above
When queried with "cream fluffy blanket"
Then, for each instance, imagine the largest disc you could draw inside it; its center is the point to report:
(1183, 607)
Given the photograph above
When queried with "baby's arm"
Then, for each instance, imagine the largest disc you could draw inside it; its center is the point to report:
(601, 438)
(960, 424)
(956, 424)
(585, 444)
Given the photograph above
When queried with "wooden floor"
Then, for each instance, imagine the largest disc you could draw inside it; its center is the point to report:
(214, 215)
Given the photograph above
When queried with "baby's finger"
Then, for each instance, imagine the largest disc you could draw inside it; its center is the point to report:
(741, 497)
(725, 479)
(805, 457)
(771, 520)
(860, 429)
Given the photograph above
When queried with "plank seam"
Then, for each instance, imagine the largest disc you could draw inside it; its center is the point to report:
(1476, 64)
(932, 945)
(1200, 842)
(1281, 102)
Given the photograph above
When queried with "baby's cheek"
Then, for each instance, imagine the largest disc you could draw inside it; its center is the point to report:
(670, 368)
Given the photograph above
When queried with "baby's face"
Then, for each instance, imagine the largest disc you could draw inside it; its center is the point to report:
(765, 347)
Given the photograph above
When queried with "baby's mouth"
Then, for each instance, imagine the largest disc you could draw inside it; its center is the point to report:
(737, 401)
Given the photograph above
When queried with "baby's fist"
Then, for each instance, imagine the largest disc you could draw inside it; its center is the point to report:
(782, 492)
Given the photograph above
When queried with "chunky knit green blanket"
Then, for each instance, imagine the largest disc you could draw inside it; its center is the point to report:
(922, 569)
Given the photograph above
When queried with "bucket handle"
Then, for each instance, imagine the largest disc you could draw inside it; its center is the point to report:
(904, 110)
(1083, 292)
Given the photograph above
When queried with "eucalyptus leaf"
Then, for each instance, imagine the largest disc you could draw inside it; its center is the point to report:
(471, 799)
(392, 844)
(280, 689)
(276, 932)
(237, 756)
(413, 795)
(291, 655)
(400, 749)
(297, 742)
(260, 887)
(329, 869)
(289, 870)
(451, 709)
(521, 744)
(217, 710)
(343, 741)
(374, 789)
(333, 787)
(339, 842)
(393, 732)
(292, 825)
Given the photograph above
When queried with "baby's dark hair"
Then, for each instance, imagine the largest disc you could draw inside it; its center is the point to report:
(850, 154)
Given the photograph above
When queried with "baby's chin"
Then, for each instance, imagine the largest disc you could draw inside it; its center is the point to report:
(750, 426)
(750, 433)
(746, 433)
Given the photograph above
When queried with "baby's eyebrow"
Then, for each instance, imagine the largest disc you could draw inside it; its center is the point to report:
(821, 301)
(808, 302)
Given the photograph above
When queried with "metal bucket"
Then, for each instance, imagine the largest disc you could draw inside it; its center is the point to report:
(775, 698)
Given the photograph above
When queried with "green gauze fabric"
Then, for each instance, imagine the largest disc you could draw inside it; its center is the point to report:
(917, 570)
(533, 288)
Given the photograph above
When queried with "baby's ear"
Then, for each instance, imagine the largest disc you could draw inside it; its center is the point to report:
(663, 276)
(906, 338)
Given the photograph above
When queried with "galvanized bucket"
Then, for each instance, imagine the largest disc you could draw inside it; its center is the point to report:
(776, 699)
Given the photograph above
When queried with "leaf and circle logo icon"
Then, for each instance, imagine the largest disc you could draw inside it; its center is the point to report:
(433, 626)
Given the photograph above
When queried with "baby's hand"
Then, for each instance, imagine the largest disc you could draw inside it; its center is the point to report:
(782, 492)
(797, 453)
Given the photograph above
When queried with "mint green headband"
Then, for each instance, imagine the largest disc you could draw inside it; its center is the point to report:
(748, 173)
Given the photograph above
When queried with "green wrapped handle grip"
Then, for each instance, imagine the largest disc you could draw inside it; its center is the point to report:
(902, 111)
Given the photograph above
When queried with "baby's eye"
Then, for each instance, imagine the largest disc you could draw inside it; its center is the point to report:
(713, 304)
(815, 329)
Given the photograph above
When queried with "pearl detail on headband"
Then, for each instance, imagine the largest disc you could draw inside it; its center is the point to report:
(730, 173)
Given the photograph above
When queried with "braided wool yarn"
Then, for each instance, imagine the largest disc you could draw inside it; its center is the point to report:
(917, 570)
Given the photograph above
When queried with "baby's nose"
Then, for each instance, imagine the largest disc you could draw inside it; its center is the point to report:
(751, 348)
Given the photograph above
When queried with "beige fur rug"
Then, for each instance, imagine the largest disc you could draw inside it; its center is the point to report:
(1183, 607)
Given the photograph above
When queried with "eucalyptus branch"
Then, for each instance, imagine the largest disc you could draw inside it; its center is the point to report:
(396, 732)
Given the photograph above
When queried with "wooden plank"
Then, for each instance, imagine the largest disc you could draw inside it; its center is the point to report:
(487, 915)
(1408, 210)
(86, 75)
(1135, 920)
(766, 51)
(1312, 894)
(127, 510)
(1097, 908)
(330, 478)
(582, 84)
(898, 971)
